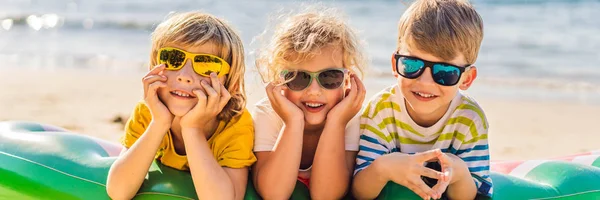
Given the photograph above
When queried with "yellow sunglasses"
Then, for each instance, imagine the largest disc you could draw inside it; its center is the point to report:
(204, 64)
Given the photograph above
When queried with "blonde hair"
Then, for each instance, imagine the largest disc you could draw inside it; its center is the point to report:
(443, 28)
(196, 28)
(302, 36)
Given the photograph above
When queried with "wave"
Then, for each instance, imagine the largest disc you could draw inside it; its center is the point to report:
(54, 21)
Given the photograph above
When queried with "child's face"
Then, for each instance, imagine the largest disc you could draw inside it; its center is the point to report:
(185, 80)
(426, 99)
(314, 94)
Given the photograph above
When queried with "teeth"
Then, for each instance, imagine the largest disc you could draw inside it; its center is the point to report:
(425, 95)
(314, 105)
(181, 94)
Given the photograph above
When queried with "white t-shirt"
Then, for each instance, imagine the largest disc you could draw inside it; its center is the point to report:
(268, 125)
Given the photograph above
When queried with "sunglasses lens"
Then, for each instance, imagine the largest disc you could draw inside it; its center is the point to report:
(297, 82)
(173, 58)
(331, 79)
(410, 67)
(447, 75)
(205, 64)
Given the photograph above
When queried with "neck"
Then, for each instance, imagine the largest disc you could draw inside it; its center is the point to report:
(427, 119)
(176, 129)
(313, 129)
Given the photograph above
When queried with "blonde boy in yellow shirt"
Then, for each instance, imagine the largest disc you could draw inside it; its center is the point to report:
(193, 116)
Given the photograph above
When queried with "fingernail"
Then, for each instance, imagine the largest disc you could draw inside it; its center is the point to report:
(213, 74)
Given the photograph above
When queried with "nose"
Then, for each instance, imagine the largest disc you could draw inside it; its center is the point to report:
(426, 77)
(314, 89)
(186, 73)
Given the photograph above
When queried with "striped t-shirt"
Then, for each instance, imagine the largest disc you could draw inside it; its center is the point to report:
(386, 127)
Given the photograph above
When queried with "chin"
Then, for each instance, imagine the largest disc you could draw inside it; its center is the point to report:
(179, 111)
(314, 119)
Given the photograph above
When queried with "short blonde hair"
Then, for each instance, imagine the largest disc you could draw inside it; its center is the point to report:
(301, 36)
(196, 28)
(443, 28)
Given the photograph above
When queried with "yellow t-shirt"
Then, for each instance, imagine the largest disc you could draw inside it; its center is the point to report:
(231, 144)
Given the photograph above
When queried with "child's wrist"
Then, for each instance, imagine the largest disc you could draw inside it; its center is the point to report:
(379, 165)
(159, 125)
(295, 122)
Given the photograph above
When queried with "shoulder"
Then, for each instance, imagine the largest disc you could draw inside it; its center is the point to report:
(383, 102)
(242, 120)
(263, 113)
(468, 108)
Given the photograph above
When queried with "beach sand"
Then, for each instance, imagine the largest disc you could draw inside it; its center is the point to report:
(98, 103)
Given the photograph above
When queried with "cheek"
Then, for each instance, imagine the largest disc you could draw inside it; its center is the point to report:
(404, 82)
(334, 96)
(293, 96)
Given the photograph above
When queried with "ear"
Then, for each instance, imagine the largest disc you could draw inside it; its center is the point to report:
(393, 64)
(468, 78)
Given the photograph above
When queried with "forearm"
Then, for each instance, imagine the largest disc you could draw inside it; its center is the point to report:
(127, 173)
(462, 186)
(369, 182)
(210, 179)
(462, 189)
(330, 174)
(275, 177)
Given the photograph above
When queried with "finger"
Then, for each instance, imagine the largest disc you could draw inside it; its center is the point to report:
(156, 69)
(225, 97)
(277, 96)
(215, 82)
(426, 190)
(353, 90)
(428, 172)
(151, 78)
(213, 96)
(153, 88)
(361, 89)
(417, 190)
(147, 80)
(440, 188)
(446, 164)
(428, 155)
(201, 98)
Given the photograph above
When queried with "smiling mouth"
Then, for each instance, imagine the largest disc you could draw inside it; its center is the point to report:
(424, 95)
(181, 94)
(314, 105)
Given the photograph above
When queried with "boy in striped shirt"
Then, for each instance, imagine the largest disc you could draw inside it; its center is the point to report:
(423, 127)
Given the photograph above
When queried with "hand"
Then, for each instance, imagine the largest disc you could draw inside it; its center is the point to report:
(346, 109)
(287, 110)
(208, 107)
(407, 170)
(152, 81)
(446, 162)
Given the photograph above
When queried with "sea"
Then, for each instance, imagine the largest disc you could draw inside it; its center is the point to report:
(539, 50)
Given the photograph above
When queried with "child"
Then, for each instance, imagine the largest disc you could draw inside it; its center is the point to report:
(406, 125)
(306, 129)
(193, 116)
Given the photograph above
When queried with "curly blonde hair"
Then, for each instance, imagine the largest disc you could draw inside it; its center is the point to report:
(197, 28)
(301, 36)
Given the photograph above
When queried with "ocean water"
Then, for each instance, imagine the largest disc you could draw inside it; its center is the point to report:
(532, 49)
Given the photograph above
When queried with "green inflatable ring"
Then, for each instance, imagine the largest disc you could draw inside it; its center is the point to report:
(40, 161)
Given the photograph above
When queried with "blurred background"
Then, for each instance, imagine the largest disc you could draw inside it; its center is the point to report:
(78, 64)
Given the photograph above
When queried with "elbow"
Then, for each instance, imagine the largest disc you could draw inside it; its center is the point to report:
(275, 194)
(117, 189)
(323, 194)
(117, 193)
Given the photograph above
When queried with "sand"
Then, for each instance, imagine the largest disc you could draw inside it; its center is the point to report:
(97, 103)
